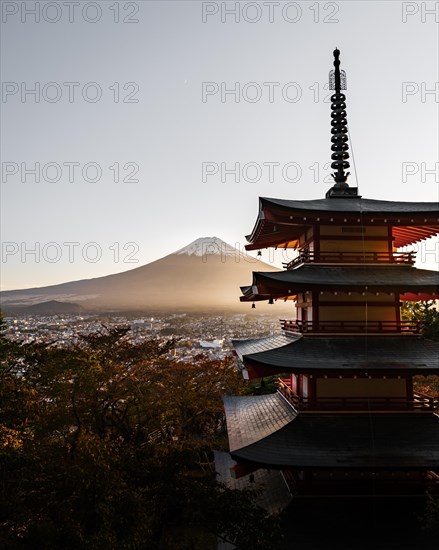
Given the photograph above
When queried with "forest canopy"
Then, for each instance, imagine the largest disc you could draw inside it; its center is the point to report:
(106, 444)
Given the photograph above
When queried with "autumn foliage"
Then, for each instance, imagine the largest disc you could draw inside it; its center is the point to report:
(109, 445)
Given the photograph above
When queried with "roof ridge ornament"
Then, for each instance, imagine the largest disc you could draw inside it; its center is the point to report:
(339, 131)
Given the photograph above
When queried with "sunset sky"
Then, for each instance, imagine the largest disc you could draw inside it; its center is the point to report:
(147, 101)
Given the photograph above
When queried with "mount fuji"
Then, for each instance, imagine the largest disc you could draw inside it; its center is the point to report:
(207, 246)
(204, 275)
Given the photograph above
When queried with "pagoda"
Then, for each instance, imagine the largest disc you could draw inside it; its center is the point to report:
(345, 411)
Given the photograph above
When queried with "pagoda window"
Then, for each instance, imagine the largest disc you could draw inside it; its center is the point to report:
(294, 383)
(304, 386)
(304, 312)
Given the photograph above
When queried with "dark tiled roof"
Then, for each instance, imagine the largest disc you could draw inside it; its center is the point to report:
(250, 418)
(357, 204)
(280, 222)
(310, 354)
(243, 347)
(349, 441)
(273, 494)
(397, 279)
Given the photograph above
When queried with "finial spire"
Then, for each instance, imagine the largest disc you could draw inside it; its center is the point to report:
(337, 82)
(339, 139)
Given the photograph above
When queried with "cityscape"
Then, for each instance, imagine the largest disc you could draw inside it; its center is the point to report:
(194, 333)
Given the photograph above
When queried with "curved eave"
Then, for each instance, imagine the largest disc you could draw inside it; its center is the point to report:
(344, 441)
(268, 367)
(248, 421)
(244, 347)
(250, 294)
(343, 355)
(280, 223)
(400, 280)
(404, 236)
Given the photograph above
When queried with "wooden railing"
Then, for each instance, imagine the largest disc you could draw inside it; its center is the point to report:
(420, 402)
(352, 327)
(285, 389)
(428, 401)
(304, 257)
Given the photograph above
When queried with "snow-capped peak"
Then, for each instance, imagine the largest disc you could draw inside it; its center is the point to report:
(208, 246)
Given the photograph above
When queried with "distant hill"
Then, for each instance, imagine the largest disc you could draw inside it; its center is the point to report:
(52, 307)
(202, 276)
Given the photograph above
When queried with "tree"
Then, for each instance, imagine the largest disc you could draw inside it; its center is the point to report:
(426, 313)
(428, 316)
(430, 519)
(102, 445)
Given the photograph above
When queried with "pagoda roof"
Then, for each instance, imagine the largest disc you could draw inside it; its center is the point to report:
(355, 204)
(332, 441)
(281, 222)
(284, 284)
(326, 355)
(251, 422)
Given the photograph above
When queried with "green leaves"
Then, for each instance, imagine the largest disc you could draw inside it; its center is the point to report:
(427, 313)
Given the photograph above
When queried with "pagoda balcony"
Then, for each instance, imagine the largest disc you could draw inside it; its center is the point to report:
(352, 327)
(352, 258)
(420, 402)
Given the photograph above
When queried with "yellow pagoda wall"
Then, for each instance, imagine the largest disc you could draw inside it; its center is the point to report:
(349, 239)
(357, 313)
(369, 309)
(361, 387)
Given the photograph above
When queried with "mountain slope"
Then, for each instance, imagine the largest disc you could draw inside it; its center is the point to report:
(205, 274)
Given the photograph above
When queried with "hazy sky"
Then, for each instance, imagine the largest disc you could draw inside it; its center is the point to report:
(141, 92)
